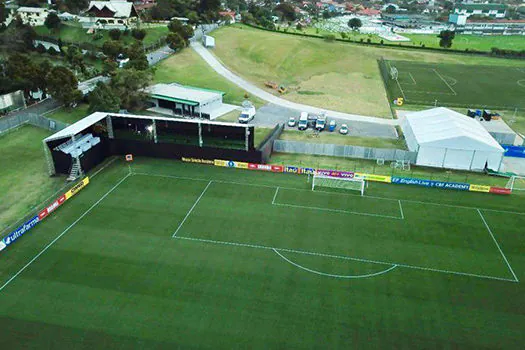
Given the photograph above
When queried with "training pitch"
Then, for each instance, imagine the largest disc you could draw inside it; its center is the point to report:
(163, 254)
(456, 85)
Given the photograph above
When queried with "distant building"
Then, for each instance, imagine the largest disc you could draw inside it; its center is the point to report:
(489, 10)
(118, 13)
(34, 16)
(495, 27)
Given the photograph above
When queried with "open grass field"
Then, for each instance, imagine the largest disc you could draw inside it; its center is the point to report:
(188, 68)
(337, 139)
(457, 85)
(472, 42)
(70, 115)
(193, 256)
(339, 76)
(23, 174)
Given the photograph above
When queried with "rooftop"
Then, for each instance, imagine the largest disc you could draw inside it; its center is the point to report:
(32, 9)
(480, 7)
(181, 93)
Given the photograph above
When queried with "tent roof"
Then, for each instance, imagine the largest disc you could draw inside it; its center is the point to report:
(184, 93)
(93, 118)
(442, 127)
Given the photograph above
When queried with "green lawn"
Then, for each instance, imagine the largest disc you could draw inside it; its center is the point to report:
(260, 261)
(340, 76)
(24, 181)
(188, 68)
(77, 34)
(338, 139)
(475, 42)
(70, 115)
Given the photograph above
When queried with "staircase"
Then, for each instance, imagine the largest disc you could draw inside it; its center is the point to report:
(76, 170)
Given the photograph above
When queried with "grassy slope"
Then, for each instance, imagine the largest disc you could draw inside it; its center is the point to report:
(346, 75)
(188, 68)
(117, 279)
(76, 34)
(338, 139)
(24, 181)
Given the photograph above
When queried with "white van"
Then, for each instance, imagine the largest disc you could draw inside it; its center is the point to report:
(303, 121)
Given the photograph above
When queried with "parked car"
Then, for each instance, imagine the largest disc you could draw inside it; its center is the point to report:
(332, 125)
(248, 113)
(303, 121)
(312, 119)
(292, 122)
(320, 123)
(344, 129)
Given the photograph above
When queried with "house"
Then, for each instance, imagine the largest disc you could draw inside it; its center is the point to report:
(114, 13)
(369, 12)
(229, 15)
(489, 10)
(34, 16)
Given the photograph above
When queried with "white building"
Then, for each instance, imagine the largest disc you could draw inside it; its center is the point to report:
(489, 10)
(110, 14)
(447, 139)
(34, 16)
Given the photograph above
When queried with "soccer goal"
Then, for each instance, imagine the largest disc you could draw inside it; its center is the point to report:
(516, 183)
(351, 184)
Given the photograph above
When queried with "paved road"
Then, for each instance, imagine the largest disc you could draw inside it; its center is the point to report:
(256, 91)
(38, 108)
(158, 55)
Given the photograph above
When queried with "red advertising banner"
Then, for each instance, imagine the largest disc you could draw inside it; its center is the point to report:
(277, 168)
(500, 190)
(51, 208)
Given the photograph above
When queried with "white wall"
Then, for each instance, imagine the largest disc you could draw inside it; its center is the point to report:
(458, 159)
(430, 156)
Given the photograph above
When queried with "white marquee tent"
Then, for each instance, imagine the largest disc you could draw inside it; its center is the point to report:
(446, 139)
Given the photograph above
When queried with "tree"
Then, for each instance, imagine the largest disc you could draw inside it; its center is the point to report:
(175, 41)
(112, 48)
(52, 22)
(63, 86)
(103, 99)
(446, 37)
(137, 57)
(390, 9)
(21, 72)
(75, 58)
(355, 23)
(138, 34)
(184, 30)
(75, 6)
(128, 85)
(3, 12)
(114, 34)
(209, 5)
(286, 11)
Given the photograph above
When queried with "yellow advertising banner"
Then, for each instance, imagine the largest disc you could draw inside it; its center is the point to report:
(198, 160)
(241, 165)
(75, 189)
(372, 177)
(219, 162)
(479, 188)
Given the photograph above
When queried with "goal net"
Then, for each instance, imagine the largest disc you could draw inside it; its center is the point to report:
(394, 73)
(516, 183)
(338, 182)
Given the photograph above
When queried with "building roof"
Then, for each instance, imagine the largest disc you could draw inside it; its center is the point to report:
(94, 118)
(31, 9)
(184, 94)
(480, 7)
(442, 127)
(120, 8)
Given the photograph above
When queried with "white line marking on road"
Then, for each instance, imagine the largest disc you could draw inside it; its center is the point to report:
(191, 209)
(332, 275)
(497, 245)
(63, 233)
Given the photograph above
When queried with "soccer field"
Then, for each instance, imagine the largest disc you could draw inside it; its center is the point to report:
(166, 254)
(456, 85)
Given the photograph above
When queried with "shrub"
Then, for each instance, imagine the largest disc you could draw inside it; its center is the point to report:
(329, 37)
(52, 51)
(98, 36)
(114, 34)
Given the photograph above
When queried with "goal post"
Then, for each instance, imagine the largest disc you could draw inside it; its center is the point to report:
(345, 183)
(516, 183)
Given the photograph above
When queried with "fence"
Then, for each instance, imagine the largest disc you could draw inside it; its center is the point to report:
(267, 144)
(346, 151)
(10, 122)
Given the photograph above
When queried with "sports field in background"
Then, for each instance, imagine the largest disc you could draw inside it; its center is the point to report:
(456, 85)
(173, 254)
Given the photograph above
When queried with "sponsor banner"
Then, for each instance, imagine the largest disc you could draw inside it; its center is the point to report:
(51, 208)
(372, 177)
(292, 169)
(308, 171)
(2, 246)
(20, 231)
(335, 173)
(263, 167)
(500, 190)
(479, 188)
(430, 183)
(218, 162)
(75, 189)
(514, 151)
(198, 160)
(240, 165)
(277, 168)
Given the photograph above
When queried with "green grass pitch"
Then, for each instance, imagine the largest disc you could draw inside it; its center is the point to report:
(456, 85)
(195, 256)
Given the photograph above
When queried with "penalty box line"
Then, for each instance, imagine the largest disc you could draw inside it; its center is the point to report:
(64, 232)
(343, 257)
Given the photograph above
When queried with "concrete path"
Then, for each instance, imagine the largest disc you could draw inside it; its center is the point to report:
(256, 91)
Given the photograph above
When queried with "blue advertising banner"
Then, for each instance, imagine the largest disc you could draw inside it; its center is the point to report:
(19, 232)
(292, 169)
(431, 183)
(310, 171)
(514, 151)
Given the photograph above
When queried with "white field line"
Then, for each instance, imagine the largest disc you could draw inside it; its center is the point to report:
(430, 92)
(446, 83)
(275, 195)
(397, 81)
(255, 246)
(401, 209)
(63, 232)
(332, 275)
(336, 210)
(333, 193)
(191, 209)
(39, 205)
(497, 245)
(412, 77)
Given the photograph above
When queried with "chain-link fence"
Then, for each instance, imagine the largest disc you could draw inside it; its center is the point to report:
(13, 121)
(346, 151)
